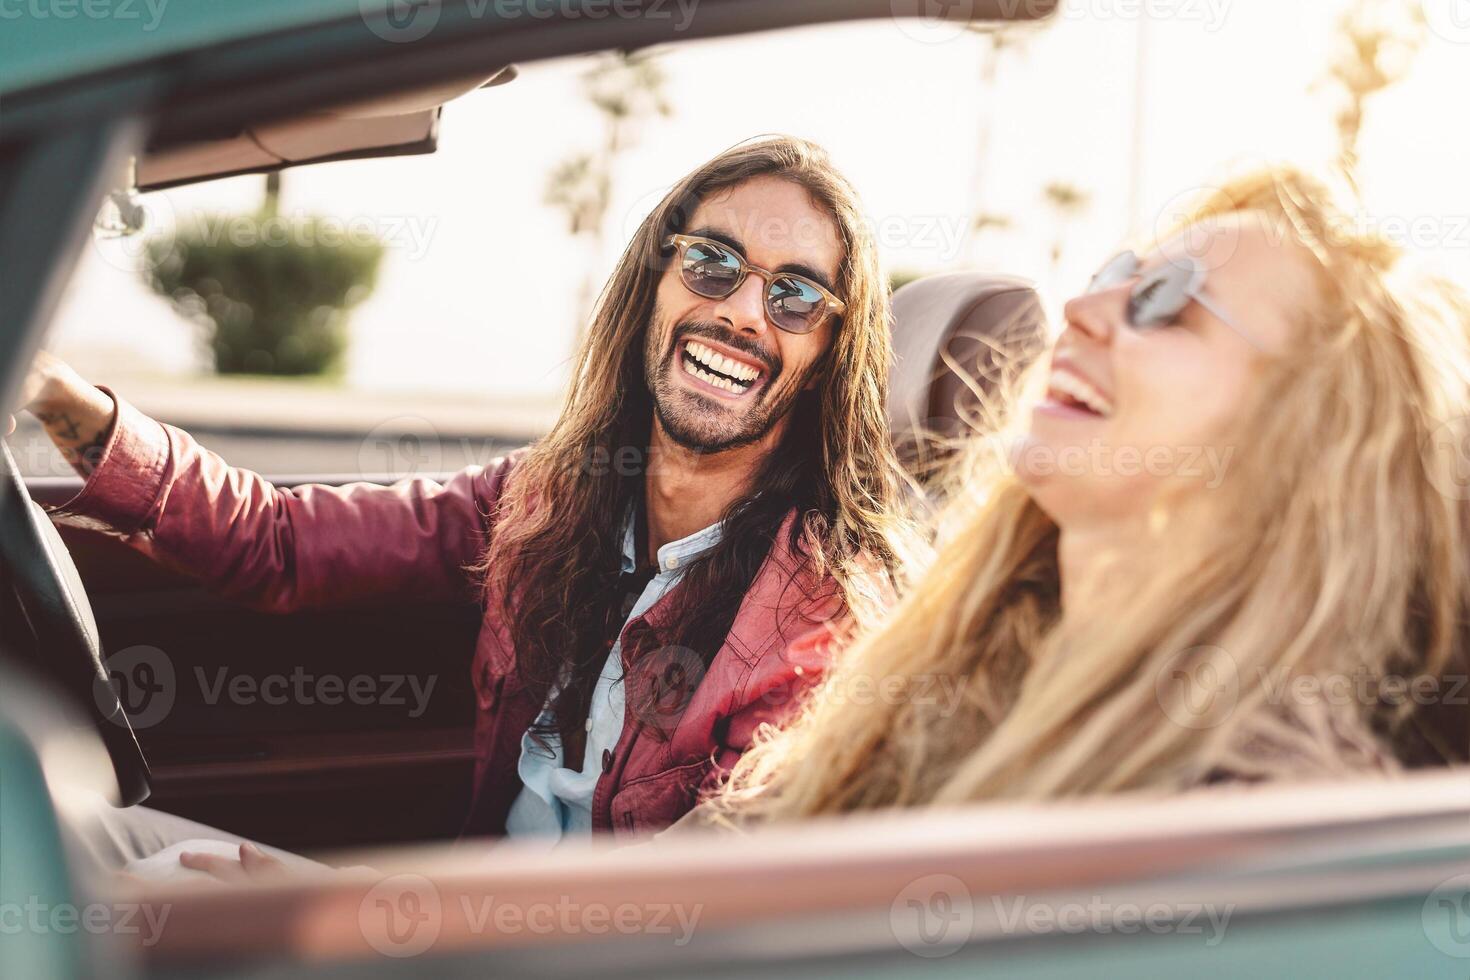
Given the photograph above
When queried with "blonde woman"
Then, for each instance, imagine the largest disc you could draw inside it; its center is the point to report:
(1228, 543)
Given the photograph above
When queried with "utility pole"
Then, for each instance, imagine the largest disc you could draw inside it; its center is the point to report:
(1140, 120)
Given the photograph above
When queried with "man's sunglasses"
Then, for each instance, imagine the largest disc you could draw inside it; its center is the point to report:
(794, 303)
(1161, 294)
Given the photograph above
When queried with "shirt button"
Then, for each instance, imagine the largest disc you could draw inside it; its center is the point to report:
(607, 760)
(672, 563)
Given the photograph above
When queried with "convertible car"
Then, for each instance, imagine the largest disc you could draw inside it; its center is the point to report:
(1333, 880)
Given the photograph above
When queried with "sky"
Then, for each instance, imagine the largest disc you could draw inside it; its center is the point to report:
(1137, 103)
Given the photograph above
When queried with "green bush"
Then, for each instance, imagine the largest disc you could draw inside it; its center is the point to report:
(271, 292)
(902, 277)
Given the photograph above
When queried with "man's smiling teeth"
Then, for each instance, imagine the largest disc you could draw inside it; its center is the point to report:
(733, 387)
(719, 362)
(1066, 383)
(701, 357)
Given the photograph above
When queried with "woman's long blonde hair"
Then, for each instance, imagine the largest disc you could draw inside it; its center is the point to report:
(1335, 547)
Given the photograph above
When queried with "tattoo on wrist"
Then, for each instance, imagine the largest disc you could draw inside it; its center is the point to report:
(62, 425)
(86, 457)
(82, 453)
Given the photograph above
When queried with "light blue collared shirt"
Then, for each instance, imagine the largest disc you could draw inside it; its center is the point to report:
(556, 802)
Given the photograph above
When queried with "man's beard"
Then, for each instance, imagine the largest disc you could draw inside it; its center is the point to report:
(700, 423)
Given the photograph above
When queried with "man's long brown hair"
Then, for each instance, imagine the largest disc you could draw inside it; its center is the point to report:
(555, 556)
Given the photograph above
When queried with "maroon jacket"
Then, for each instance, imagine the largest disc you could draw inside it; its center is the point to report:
(319, 546)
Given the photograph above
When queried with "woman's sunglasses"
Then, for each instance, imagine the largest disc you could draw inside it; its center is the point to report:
(794, 303)
(1161, 294)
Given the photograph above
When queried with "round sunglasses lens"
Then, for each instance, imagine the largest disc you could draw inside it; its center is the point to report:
(795, 305)
(1160, 296)
(1119, 268)
(710, 270)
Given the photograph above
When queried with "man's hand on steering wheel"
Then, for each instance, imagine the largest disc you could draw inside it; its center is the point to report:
(76, 414)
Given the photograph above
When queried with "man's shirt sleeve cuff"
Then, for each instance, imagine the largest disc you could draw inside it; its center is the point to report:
(120, 493)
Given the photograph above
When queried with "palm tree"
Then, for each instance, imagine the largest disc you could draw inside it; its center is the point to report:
(1068, 203)
(272, 205)
(998, 43)
(1378, 40)
(990, 221)
(576, 187)
(627, 89)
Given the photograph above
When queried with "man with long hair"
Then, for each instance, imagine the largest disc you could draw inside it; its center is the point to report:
(720, 482)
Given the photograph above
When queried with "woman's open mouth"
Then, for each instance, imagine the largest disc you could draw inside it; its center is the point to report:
(721, 373)
(1074, 394)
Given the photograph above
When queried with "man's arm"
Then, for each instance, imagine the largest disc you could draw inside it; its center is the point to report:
(77, 415)
(154, 486)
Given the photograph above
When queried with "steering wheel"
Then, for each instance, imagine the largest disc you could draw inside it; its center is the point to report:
(51, 596)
